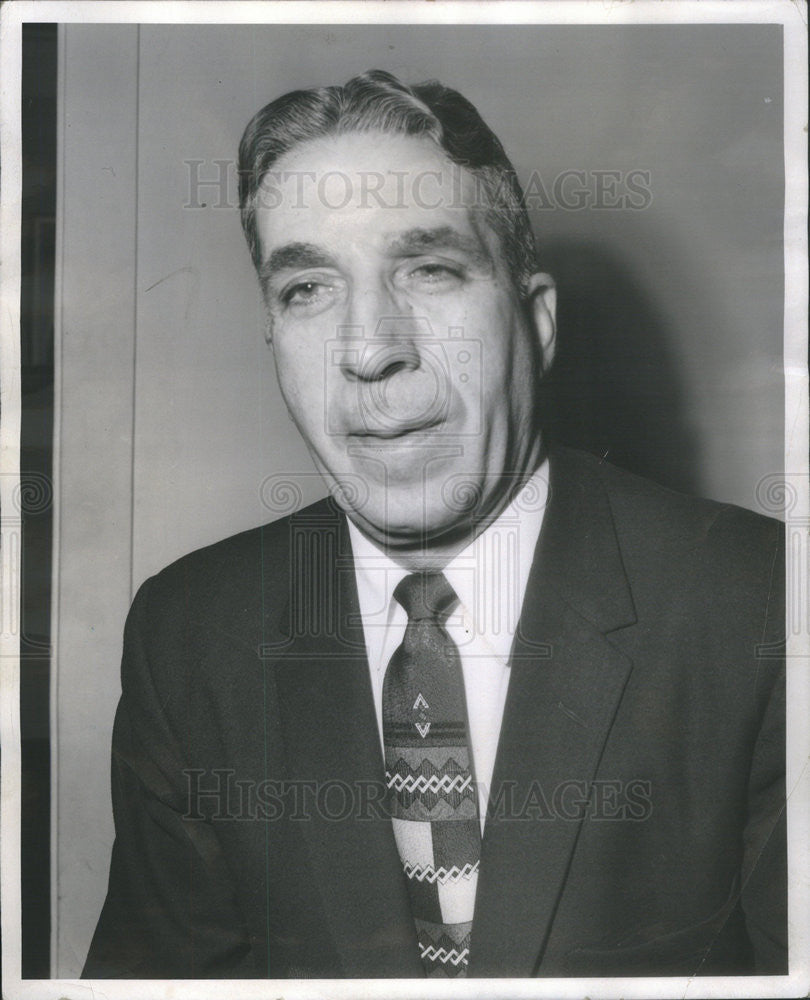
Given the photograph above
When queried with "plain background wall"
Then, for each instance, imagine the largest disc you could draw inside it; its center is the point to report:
(169, 421)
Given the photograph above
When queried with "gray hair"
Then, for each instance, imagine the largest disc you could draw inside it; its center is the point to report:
(378, 101)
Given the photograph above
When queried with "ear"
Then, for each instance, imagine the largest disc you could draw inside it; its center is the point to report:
(541, 294)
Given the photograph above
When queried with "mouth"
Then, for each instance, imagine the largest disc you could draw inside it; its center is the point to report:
(397, 432)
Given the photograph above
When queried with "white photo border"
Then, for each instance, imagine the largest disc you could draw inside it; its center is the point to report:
(792, 16)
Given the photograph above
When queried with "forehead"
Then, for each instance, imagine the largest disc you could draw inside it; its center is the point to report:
(369, 186)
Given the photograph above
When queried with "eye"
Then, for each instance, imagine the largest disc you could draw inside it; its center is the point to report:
(432, 277)
(308, 295)
(301, 293)
(435, 273)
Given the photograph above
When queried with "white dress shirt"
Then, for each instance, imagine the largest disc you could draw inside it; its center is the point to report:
(489, 577)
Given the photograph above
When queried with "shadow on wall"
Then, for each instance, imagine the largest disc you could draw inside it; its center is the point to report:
(615, 389)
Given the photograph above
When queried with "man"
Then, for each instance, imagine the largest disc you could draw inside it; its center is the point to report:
(489, 710)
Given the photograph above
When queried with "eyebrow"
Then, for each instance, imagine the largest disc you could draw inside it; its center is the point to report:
(293, 255)
(416, 241)
(410, 243)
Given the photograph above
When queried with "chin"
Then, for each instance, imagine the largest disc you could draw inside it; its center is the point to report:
(406, 535)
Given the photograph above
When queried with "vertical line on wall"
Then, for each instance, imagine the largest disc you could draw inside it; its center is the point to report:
(59, 255)
(135, 314)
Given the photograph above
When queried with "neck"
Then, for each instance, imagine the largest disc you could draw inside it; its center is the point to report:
(433, 553)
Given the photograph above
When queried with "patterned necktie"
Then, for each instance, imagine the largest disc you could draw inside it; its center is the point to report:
(432, 795)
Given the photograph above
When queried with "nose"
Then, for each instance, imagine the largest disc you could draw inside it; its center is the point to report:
(384, 333)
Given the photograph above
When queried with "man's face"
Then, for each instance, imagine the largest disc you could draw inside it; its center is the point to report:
(404, 354)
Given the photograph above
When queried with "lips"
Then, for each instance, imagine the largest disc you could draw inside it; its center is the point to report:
(401, 429)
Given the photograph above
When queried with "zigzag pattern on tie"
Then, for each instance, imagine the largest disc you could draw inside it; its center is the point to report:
(427, 873)
(445, 955)
(435, 784)
(428, 784)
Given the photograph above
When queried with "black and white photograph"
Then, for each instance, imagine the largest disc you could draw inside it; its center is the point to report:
(405, 500)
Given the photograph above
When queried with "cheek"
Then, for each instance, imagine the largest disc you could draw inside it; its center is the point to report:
(507, 368)
(300, 380)
(504, 351)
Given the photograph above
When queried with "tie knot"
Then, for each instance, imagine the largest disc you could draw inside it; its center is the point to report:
(426, 596)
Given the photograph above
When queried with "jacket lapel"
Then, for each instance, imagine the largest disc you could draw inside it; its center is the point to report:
(332, 742)
(565, 687)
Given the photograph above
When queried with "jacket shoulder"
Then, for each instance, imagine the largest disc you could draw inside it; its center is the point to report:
(688, 550)
(235, 572)
(644, 509)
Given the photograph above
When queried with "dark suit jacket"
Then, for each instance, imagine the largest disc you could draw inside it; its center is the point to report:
(637, 801)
